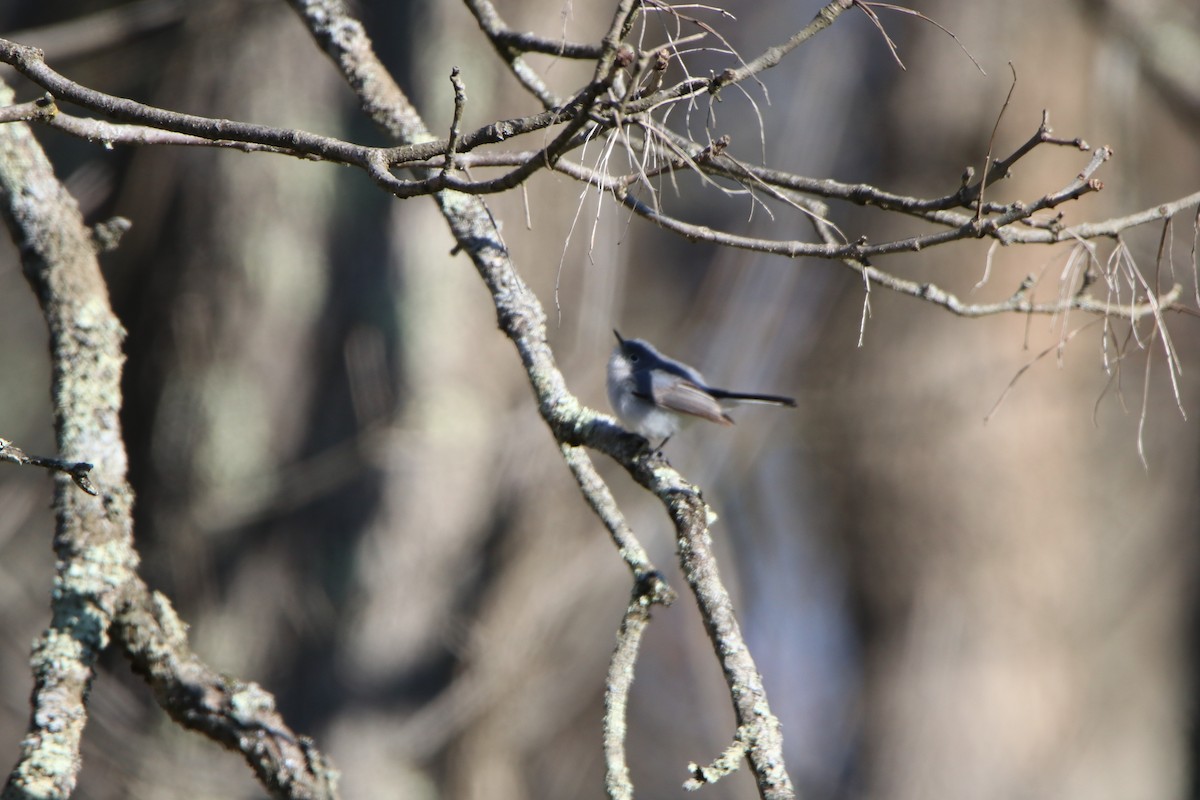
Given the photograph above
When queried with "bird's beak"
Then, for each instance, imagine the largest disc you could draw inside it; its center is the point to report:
(619, 339)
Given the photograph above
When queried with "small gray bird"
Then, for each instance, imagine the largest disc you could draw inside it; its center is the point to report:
(653, 394)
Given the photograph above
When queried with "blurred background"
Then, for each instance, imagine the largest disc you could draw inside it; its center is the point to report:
(345, 488)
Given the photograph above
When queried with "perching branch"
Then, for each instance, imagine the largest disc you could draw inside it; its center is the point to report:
(522, 318)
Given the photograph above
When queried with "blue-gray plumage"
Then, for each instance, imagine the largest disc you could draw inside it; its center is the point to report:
(652, 393)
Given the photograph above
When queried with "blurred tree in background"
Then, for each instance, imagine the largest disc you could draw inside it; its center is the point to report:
(344, 488)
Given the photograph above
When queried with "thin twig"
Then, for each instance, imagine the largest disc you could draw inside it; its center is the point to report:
(1027, 365)
(77, 470)
(931, 21)
(38, 110)
(1141, 428)
(725, 764)
(891, 44)
(774, 55)
(1196, 256)
(510, 45)
(987, 161)
(1174, 365)
(460, 102)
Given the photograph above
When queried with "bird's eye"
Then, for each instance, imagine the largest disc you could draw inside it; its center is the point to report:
(633, 358)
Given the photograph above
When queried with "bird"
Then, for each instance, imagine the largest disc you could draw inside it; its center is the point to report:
(653, 394)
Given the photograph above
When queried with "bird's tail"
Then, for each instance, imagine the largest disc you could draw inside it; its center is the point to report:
(742, 397)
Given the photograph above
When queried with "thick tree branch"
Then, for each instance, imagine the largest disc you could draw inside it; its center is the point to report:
(93, 535)
(239, 715)
(98, 597)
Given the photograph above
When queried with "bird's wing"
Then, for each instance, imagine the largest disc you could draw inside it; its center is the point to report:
(685, 397)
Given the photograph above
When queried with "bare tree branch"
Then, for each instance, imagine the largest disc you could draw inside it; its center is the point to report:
(772, 57)
(510, 45)
(98, 593)
(1008, 223)
(522, 319)
(237, 714)
(98, 598)
(93, 538)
